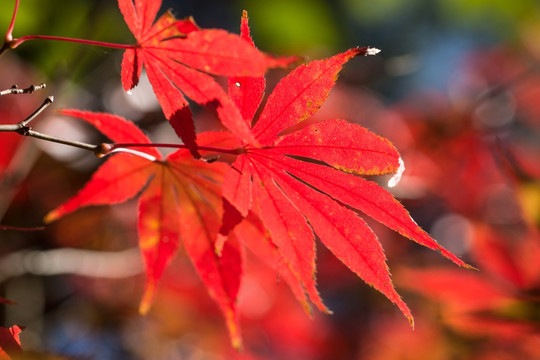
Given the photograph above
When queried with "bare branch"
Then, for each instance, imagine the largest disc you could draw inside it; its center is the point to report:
(99, 150)
(22, 128)
(48, 101)
(29, 90)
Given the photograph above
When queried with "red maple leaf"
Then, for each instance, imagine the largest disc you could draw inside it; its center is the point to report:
(305, 182)
(484, 303)
(178, 57)
(10, 344)
(180, 204)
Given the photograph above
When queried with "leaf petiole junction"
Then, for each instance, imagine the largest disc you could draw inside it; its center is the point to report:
(100, 150)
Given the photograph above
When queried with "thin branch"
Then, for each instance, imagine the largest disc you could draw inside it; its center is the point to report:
(48, 101)
(77, 144)
(16, 42)
(113, 147)
(100, 150)
(16, 90)
(22, 128)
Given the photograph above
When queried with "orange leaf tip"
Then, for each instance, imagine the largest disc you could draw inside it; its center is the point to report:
(394, 180)
(236, 338)
(147, 298)
(50, 217)
(220, 242)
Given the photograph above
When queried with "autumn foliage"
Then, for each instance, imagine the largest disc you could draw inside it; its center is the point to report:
(277, 177)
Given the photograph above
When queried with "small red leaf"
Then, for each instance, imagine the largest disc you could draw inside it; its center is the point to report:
(246, 92)
(299, 95)
(216, 52)
(199, 228)
(131, 69)
(159, 230)
(186, 25)
(463, 291)
(139, 16)
(367, 197)
(289, 231)
(231, 218)
(252, 234)
(178, 56)
(343, 145)
(289, 185)
(182, 203)
(119, 179)
(6, 301)
(10, 344)
(237, 185)
(346, 235)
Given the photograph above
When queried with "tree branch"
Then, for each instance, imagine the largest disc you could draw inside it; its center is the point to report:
(22, 128)
(29, 90)
(99, 150)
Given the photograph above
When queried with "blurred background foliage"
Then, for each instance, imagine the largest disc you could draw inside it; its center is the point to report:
(438, 59)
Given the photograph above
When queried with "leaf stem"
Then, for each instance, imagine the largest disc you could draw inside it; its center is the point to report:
(9, 33)
(16, 42)
(22, 128)
(134, 152)
(99, 150)
(175, 146)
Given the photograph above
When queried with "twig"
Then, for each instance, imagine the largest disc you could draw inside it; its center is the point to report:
(16, 42)
(48, 101)
(22, 128)
(99, 150)
(16, 90)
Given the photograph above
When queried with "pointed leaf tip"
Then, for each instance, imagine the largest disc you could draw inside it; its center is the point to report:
(147, 298)
(220, 242)
(372, 51)
(234, 331)
(411, 322)
(50, 217)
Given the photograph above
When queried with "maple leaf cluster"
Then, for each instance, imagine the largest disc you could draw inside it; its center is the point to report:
(281, 189)
(276, 185)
